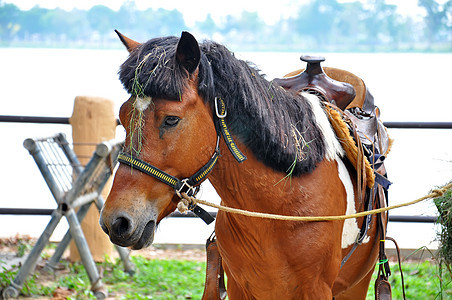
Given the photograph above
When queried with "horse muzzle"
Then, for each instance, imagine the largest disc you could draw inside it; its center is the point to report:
(126, 232)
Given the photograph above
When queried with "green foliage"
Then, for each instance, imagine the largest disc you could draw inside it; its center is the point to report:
(153, 279)
(22, 248)
(444, 206)
(32, 287)
(319, 25)
(160, 279)
(6, 276)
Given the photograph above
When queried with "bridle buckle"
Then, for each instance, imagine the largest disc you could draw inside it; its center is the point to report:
(187, 188)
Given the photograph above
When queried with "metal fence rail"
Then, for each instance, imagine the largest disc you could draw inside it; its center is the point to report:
(413, 219)
(32, 119)
(419, 125)
(58, 120)
(26, 211)
(35, 119)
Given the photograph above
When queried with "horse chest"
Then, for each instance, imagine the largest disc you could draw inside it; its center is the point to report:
(269, 259)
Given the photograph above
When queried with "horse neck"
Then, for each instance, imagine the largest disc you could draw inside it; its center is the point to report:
(251, 185)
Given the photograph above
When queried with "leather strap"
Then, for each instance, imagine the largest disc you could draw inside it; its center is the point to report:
(220, 123)
(172, 181)
(400, 263)
(382, 285)
(214, 288)
(382, 289)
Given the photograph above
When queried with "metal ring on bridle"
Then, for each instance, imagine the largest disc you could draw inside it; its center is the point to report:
(220, 115)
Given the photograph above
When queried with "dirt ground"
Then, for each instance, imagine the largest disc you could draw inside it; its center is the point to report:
(12, 246)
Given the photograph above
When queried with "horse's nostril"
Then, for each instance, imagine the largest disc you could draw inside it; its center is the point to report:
(104, 228)
(121, 227)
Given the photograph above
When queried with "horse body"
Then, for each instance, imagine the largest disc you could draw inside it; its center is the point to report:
(266, 258)
(294, 167)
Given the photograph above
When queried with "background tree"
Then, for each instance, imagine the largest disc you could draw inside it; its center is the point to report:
(319, 26)
(101, 18)
(9, 21)
(437, 18)
(317, 20)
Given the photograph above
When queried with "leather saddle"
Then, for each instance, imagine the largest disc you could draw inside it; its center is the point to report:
(344, 90)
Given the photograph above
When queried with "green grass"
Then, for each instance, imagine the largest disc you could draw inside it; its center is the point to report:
(158, 279)
(423, 280)
(178, 279)
(153, 279)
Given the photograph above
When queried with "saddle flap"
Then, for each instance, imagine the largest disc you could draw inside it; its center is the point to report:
(366, 126)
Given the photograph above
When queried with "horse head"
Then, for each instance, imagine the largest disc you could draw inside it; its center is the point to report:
(168, 127)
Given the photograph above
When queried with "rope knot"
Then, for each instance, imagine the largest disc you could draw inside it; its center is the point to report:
(438, 192)
(185, 202)
(182, 206)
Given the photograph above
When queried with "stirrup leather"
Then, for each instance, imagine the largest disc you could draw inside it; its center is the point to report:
(214, 288)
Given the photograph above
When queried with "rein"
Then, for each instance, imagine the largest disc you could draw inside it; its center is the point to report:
(190, 186)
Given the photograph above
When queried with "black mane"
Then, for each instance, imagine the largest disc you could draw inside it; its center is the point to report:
(277, 126)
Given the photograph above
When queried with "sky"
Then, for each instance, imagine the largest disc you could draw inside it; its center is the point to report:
(269, 11)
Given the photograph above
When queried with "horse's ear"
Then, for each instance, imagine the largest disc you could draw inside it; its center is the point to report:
(129, 43)
(188, 53)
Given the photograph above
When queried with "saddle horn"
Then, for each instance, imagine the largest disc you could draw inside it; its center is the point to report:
(313, 79)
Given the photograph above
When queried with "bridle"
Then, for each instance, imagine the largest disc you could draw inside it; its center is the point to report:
(190, 185)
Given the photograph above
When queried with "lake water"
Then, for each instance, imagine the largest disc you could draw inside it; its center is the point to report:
(44, 82)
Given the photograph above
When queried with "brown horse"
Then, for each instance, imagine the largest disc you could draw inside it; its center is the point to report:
(192, 102)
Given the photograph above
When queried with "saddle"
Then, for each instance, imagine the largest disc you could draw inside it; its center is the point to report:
(351, 109)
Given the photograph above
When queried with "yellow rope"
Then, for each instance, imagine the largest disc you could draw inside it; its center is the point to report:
(434, 194)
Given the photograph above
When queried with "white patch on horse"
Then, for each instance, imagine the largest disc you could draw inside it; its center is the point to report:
(334, 151)
(142, 103)
(350, 230)
(333, 147)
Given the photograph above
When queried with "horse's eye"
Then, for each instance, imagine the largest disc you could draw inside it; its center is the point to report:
(171, 121)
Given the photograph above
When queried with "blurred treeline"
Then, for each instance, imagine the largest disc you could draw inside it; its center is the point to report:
(320, 25)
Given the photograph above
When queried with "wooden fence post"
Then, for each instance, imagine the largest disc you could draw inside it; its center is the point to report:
(93, 121)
